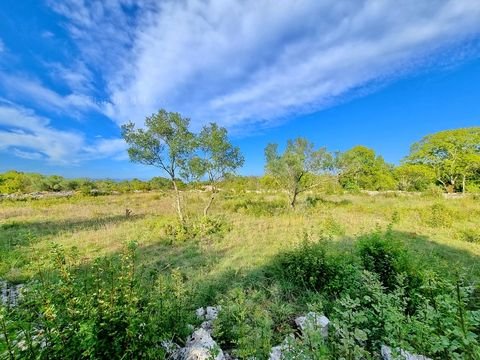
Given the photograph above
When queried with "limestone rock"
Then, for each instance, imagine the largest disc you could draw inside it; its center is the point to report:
(404, 355)
(212, 312)
(200, 312)
(9, 293)
(200, 346)
(277, 351)
(313, 321)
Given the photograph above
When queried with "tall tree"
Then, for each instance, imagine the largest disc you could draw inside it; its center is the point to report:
(414, 177)
(166, 142)
(216, 158)
(361, 168)
(454, 155)
(295, 169)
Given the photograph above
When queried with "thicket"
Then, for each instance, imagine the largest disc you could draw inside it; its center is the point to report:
(373, 292)
(373, 295)
(109, 310)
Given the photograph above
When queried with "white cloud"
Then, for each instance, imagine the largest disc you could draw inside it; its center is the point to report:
(30, 136)
(30, 89)
(258, 61)
(77, 76)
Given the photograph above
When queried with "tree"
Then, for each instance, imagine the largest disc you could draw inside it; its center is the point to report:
(12, 182)
(295, 169)
(216, 158)
(414, 177)
(451, 154)
(166, 142)
(361, 168)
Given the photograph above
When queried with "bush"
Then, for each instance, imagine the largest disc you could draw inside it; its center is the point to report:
(257, 207)
(438, 215)
(244, 324)
(433, 191)
(331, 227)
(201, 229)
(311, 267)
(382, 255)
(108, 310)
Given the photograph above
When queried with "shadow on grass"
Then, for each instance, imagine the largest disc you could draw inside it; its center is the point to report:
(24, 233)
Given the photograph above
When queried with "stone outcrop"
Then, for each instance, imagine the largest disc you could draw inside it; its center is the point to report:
(9, 293)
(200, 345)
(387, 354)
(313, 321)
(306, 324)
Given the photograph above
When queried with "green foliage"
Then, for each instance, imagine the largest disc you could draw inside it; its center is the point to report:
(244, 324)
(209, 227)
(438, 215)
(166, 143)
(295, 169)
(107, 310)
(330, 227)
(453, 155)
(361, 168)
(310, 267)
(382, 255)
(470, 235)
(257, 207)
(414, 177)
(216, 158)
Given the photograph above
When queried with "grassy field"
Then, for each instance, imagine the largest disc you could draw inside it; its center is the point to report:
(442, 231)
(253, 231)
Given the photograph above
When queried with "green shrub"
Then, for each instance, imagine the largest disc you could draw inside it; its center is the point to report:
(438, 215)
(311, 267)
(257, 207)
(433, 191)
(244, 325)
(108, 310)
(202, 228)
(382, 255)
(331, 227)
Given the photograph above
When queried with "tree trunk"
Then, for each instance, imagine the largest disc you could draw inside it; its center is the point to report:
(209, 204)
(294, 199)
(178, 203)
(464, 180)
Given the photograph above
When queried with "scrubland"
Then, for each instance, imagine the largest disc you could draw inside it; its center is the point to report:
(393, 268)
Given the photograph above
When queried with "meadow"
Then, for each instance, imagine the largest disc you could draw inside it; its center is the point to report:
(234, 256)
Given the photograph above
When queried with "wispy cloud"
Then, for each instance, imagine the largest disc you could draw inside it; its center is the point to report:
(23, 88)
(30, 136)
(252, 62)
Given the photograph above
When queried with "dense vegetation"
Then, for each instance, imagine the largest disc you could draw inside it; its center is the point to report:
(120, 275)
(130, 282)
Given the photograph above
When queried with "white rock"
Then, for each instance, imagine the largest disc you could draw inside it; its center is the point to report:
(200, 312)
(404, 355)
(10, 293)
(207, 326)
(313, 321)
(169, 346)
(277, 351)
(200, 346)
(212, 312)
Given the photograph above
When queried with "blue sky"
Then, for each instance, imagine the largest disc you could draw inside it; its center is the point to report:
(378, 73)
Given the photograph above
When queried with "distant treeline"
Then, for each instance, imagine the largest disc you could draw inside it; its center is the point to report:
(446, 161)
(18, 182)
